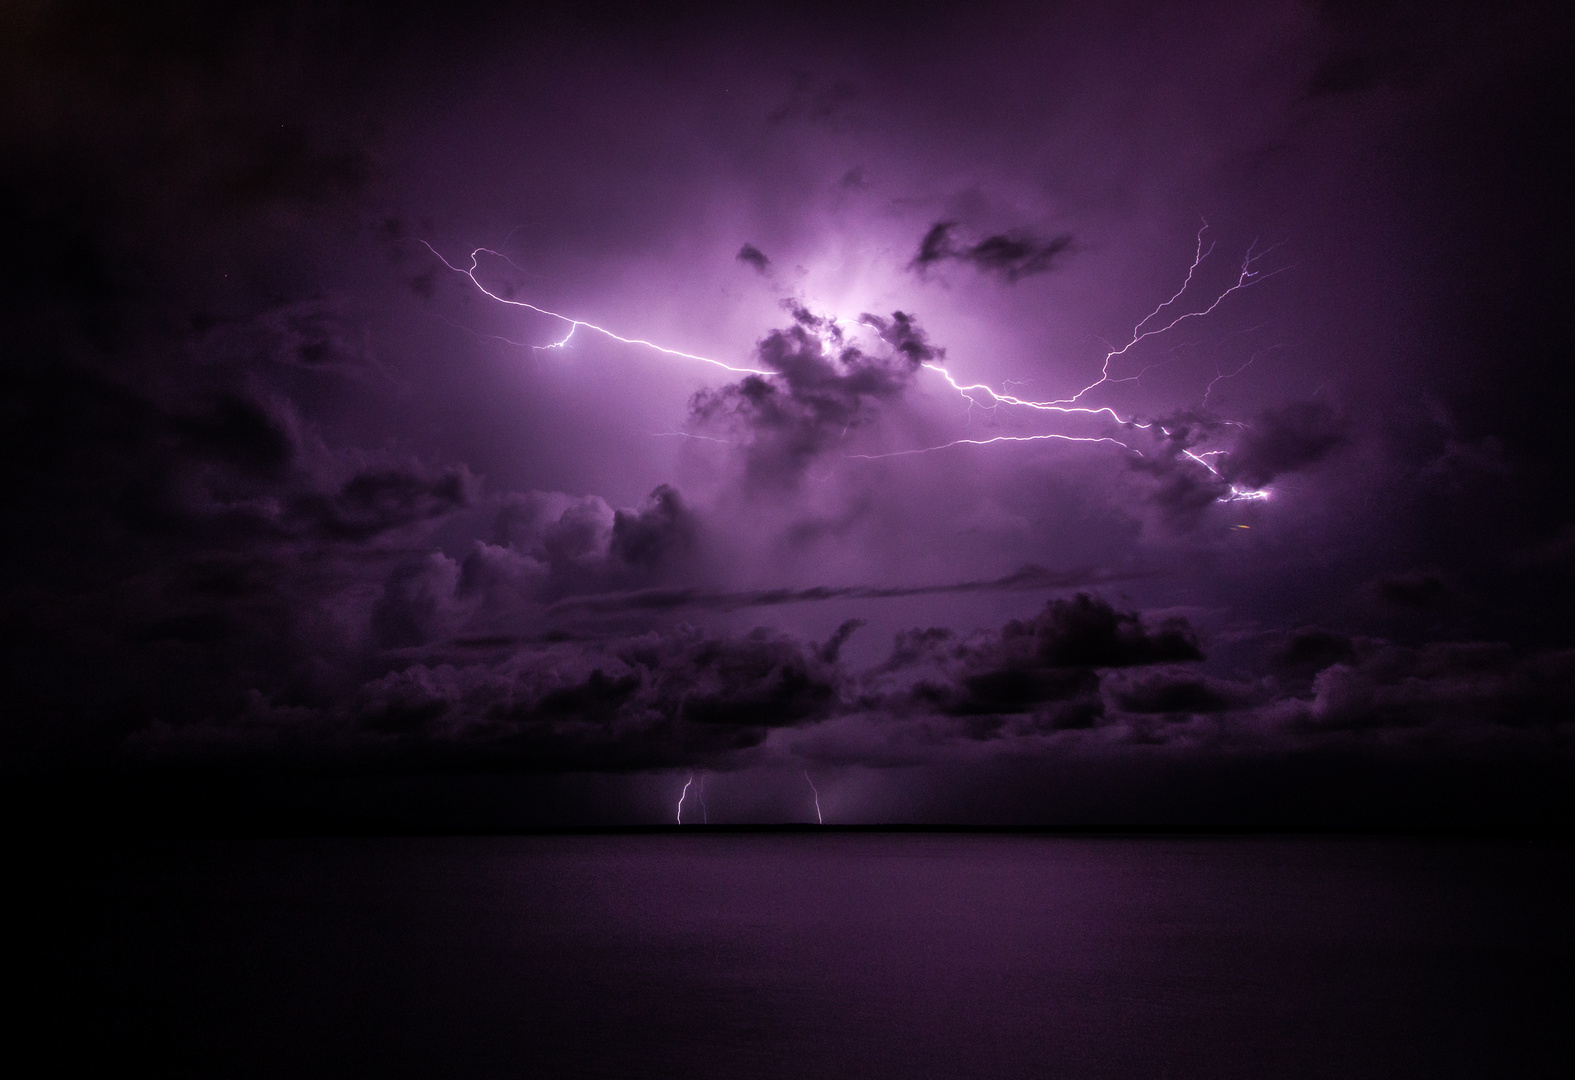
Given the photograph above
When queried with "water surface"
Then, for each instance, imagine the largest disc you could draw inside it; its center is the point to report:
(804, 955)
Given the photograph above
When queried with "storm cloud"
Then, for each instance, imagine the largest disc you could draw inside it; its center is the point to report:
(285, 492)
(823, 386)
(1009, 256)
(750, 255)
(1283, 440)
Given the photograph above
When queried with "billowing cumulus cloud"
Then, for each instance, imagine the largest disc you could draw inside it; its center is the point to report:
(824, 385)
(1046, 667)
(1197, 460)
(281, 488)
(676, 698)
(1176, 692)
(1443, 686)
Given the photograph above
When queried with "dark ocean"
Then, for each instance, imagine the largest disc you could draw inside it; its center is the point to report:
(809, 955)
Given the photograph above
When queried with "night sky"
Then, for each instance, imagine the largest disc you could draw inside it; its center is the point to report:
(984, 413)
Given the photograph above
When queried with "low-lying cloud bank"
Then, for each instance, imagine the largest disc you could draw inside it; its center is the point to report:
(1081, 677)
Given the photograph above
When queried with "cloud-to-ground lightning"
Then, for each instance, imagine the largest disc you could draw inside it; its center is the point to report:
(705, 814)
(573, 323)
(818, 818)
(682, 795)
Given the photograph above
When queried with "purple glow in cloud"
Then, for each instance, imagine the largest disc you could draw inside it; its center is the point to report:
(834, 339)
(573, 324)
(1247, 276)
(268, 512)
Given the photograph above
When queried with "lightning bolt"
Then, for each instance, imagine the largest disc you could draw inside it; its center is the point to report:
(819, 820)
(1154, 324)
(682, 795)
(995, 439)
(1159, 321)
(572, 323)
(1235, 493)
(1247, 276)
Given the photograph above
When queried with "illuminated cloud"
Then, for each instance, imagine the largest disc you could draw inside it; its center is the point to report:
(449, 431)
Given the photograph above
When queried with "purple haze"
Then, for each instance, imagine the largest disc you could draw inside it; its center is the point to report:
(830, 389)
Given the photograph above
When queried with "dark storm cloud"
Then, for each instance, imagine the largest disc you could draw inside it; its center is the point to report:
(1047, 667)
(1086, 631)
(1183, 489)
(377, 501)
(686, 697)
(654, 535)
(1184, 492)
(1420, 591)
(309, 334)
(233, 464)
(823, 386)
(661, 699)
(1276, 442)
(1328, 690)
(1027, 578)
(254, 514)
(1308, 651)
(753, 256)
(547, 545)
(1283, 440)
(935, 246)
(1010, 256)
(1443, 687)
(211, 559)
(239, 432)
(832, 649)
(1176, 692)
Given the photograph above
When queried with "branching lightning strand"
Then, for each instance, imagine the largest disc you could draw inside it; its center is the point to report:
(573, 324)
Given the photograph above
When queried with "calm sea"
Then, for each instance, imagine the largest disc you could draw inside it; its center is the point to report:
(806, 956)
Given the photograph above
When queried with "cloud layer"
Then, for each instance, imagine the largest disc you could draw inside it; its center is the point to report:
(284, 493)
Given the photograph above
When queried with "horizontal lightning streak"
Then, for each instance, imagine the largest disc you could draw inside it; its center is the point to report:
(1247, 275)
(574, 324)
(994, 439)
(691, 435)
(1009, 399)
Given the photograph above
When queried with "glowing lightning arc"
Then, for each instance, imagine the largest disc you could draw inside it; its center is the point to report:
(682, 795)
(574, 324)
(1248, 274)
(818, 818)
(1246, 277)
